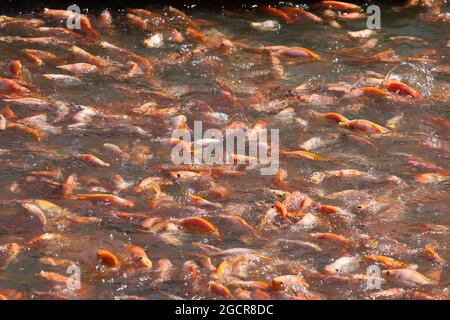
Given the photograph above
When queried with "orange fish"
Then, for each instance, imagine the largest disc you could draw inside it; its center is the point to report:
(298, 52)
(8, 252)
(335, 117)
(432, 177)
(85, 56)
(66, 14)
(401, 88)
(432, 255)
(92, 160)
(138, 257)
(107, 258)
(10, 85)
(276, 13)
(198, 224)
(340, 6)
(15, 68)
(281, 209)
(386, 262)
(220, 290)
(79, 68)
(364, 125)
(301, 154)
(333, 238)
(289, 283)
(102, 197)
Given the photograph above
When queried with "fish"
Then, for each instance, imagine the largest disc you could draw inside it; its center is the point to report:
(276, 13)
(333, 211)
(164, 271)
(89, 119)
(138, 258)
(343, 265)
(9, 85)
(39, 57)
(406, 276)
(364, 126)
(61, 80)
(8, 253)
(352, 174)
(333, 238)
(107, 258)
(47, 239)
(197, 200)
(281, 209)
(429, 178)
(289, 283)
(103, 198)
(394, 121)
(16, 69)
(92, 160)
(268, 25)
(122, 53)
(304, 246)
(418, 162)
(35, 214)
(2, 123)
(84, 56)
(366, 33)
(385, 262)
(40, 122)
(50, 209)
(439, 121)
(214, 251)
(79, 68)
(120, 183)
(220, 290)
(155, 41)
(318, 142)
(301, 154)
(430, 253)
(137, 22)
(36, 41)
(334, 116)
(201, 225)
(401, 88)
(60, 108)
(340, 6)
(299, 15)
(295, 52)
(67, 14)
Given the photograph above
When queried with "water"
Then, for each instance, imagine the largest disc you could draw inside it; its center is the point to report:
(181, 75)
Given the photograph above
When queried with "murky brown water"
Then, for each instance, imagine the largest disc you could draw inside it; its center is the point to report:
(196, 73)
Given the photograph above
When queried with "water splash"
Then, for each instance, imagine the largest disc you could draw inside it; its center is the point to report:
(418, 75)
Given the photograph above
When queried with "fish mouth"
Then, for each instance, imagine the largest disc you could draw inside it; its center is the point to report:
(146, 263)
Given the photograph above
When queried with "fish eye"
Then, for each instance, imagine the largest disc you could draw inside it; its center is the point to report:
(178, 175)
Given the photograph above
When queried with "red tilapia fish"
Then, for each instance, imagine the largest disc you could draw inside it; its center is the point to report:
(136, 143)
